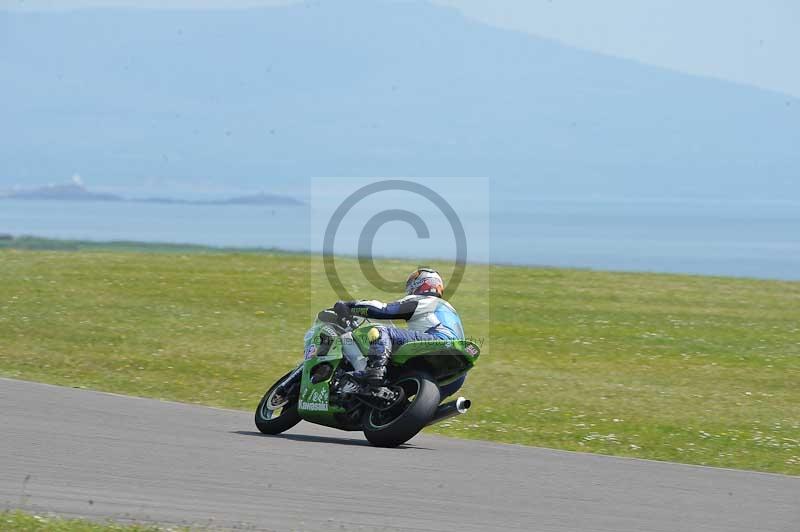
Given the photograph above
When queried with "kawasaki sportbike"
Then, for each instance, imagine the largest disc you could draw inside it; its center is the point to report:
(390, 414)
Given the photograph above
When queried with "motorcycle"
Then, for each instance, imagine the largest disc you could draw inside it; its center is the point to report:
(390, 414)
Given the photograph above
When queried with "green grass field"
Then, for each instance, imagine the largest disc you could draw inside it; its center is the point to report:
(689, 369)
(26, 522)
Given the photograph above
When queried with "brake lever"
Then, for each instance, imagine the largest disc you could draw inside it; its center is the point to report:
(345, 322)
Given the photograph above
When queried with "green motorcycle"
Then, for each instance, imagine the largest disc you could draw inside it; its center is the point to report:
(390, 414)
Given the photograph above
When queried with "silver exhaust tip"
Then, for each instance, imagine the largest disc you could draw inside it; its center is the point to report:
(451, 409)
(463, 404)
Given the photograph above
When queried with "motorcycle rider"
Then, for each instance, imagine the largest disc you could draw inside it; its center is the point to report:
(428, 315)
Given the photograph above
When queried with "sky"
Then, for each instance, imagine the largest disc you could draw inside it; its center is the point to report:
(754, 42)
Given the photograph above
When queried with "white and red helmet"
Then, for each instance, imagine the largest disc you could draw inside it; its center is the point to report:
(425, 282)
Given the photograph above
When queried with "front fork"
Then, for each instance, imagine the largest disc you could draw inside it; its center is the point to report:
(288, 383)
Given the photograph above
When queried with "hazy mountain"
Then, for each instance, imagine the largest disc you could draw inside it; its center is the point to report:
(360, 88)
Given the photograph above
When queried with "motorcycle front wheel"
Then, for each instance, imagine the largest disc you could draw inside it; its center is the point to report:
(276, 414)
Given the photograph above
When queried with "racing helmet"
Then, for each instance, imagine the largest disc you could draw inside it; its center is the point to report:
(425, 282)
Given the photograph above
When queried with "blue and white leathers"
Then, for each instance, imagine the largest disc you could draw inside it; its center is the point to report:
(428, 318)
(424, 314)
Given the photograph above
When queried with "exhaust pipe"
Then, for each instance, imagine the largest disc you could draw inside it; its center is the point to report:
(451, 409)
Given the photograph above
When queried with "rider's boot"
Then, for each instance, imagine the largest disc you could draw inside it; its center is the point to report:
(375, 372)
(377, 360)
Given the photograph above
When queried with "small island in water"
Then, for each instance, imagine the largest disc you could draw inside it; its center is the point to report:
(76, 191)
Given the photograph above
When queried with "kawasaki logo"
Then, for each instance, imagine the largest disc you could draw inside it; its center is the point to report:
(315, 400)
(305, 405)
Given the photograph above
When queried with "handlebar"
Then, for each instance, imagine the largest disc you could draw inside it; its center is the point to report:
(351, 322)
(346, 322)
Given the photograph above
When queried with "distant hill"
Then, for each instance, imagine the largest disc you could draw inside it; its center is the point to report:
(254, 199)
(372, 88)
(257, 199)
(78, 192)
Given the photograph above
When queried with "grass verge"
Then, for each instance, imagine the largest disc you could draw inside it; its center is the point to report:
(24, 522)
(682, 368)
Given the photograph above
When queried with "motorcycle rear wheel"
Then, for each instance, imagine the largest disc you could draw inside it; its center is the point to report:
(402, 422)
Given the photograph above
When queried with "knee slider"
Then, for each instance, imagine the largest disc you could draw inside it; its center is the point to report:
(375, 334)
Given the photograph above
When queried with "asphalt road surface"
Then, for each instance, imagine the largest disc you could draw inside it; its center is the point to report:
(83, 453)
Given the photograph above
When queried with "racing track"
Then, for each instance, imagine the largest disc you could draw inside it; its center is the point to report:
(86, 453)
